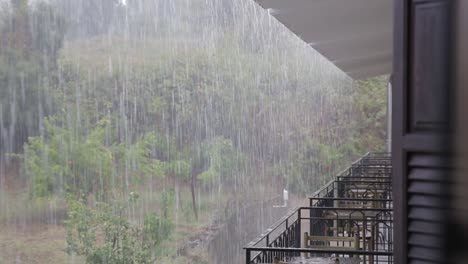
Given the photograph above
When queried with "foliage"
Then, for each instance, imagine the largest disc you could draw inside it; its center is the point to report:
(132, 111)
(208, 145)
(79, 162)
(104, 234)
(87, 18)
(178, 168)
(31, 35)
(62, 160)
(165, 94)
(223, 161)
(166, 200)
(136, 161)
(314, 159)
(370, 100)
(313, 164)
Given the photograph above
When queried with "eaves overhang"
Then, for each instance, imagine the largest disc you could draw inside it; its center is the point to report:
(356, 35)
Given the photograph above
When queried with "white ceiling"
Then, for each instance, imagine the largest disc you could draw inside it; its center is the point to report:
(356, 35)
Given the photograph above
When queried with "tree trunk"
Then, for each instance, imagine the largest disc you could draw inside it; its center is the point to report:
(192, 189)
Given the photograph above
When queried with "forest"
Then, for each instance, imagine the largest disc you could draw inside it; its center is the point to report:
(128, 126)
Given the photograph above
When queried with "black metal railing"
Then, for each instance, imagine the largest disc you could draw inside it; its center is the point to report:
(357, 203)
(288, 230)
(373, 226)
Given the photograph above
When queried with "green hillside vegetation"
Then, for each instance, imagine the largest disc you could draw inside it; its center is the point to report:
(128, 135)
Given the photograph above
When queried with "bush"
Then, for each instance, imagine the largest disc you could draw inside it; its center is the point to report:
(104, 234)
(63, 161)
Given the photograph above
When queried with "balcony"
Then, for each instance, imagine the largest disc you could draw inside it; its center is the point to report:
(349, 220)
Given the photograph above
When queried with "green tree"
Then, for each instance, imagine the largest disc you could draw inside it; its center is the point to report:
(62, 161)
(371, 104)
(79, 161)
(30, 36)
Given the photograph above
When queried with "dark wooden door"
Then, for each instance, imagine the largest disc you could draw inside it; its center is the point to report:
(421, 81)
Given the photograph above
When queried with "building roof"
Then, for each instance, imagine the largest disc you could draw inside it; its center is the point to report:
(356, 35)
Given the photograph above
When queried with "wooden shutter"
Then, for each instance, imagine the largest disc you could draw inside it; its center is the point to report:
(420, 93)
(426, 207)
(458, 235)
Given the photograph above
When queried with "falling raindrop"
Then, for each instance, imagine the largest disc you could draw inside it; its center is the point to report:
(185, 119)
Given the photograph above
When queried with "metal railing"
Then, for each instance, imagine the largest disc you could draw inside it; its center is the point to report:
(374, 226)
(289, 227)
(335, 212)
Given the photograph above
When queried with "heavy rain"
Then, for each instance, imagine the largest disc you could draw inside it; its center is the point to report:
(164, 131)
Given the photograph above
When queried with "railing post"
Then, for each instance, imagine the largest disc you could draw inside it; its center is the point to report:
(247, 256)
(298, 240)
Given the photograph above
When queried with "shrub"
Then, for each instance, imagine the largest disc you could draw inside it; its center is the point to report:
(104, 235)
